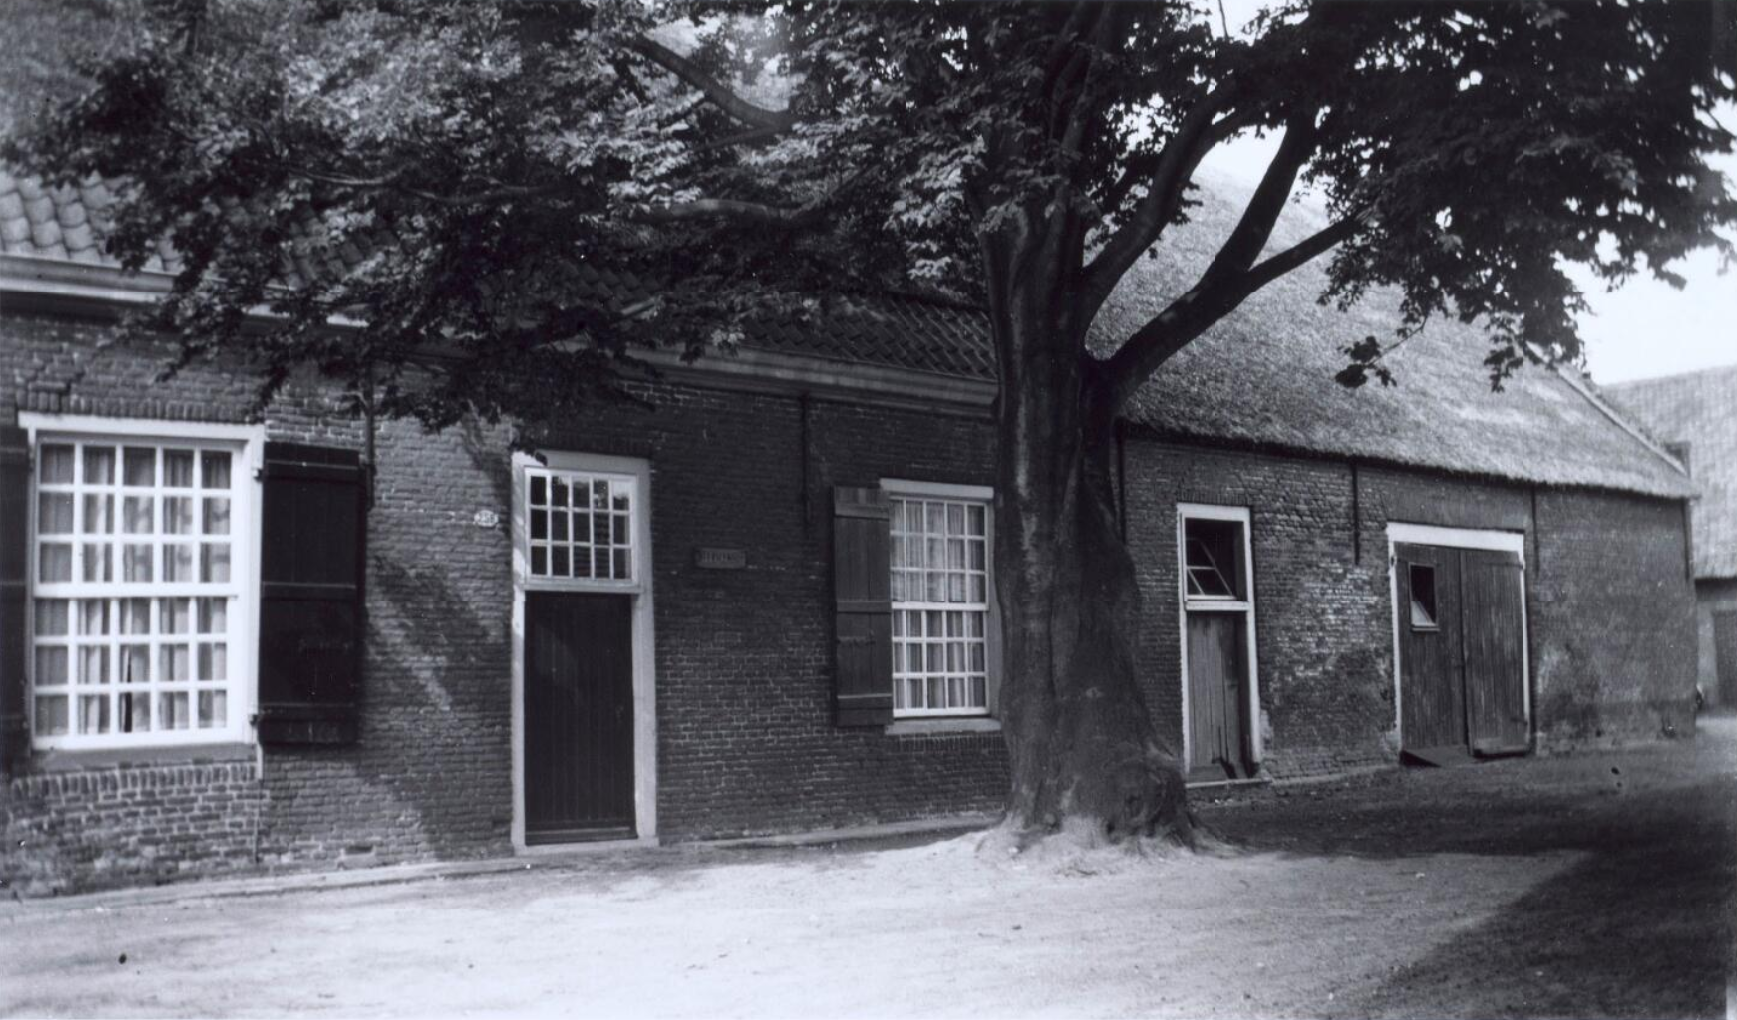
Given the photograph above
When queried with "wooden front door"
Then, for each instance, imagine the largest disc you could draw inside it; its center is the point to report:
(578, 717)
(1462, 652)
(1218, 740)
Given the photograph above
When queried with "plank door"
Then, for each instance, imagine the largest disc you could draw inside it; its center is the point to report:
(1491, 586)
(1725, 657)
(1431, 654)
(1217, 689)
(578, 717)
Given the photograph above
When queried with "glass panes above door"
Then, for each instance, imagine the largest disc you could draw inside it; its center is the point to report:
(579, 526)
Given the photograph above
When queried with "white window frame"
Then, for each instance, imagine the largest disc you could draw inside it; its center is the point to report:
(526, 468)
(1488, 539)
(247, 445)
(644, 639)
(902, 488)
(1186, 604)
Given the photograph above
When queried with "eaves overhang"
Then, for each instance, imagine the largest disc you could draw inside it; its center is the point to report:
(56, 286)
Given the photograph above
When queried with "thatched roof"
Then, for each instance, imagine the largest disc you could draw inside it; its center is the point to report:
(1263, 377)
(1700, 409)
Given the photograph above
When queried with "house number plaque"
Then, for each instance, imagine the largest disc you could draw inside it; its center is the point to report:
(720, 559)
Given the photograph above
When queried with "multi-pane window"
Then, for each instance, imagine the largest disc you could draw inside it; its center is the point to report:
(136, 589)
(940, 585)
(580, 527)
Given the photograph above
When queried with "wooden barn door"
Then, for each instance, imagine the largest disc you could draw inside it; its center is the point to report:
(1461, 652)
(1218, 737)
(1431, 653)
(1492, 585)
(578, 717)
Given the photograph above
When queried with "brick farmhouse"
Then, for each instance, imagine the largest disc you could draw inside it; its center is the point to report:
(763, 602)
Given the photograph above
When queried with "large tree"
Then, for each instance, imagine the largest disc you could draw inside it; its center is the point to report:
(447, 170)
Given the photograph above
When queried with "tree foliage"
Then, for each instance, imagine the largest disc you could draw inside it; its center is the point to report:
(456, 173)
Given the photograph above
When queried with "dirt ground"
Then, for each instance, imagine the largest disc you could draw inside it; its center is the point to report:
(1595, 885)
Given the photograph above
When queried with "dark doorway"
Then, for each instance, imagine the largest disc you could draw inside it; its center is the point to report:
(578, 717)
(1725, 655)
(1462, 653)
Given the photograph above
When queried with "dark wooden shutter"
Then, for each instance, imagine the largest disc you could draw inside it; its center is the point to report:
(14, 589)
(862, 586)
(310, 610)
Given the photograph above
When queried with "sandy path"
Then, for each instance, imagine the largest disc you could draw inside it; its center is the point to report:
(1528, 888)
(921, 931)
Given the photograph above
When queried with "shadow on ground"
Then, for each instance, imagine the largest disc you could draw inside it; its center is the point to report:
(1642, 925)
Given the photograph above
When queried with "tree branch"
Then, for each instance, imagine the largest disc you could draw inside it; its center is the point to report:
(749, 213)
(391, 182)
(1079, 115)
(1190, 315)
(720, 94)
(1316, 244)
(1174, 166)
(1221, 287)
(1255, 226)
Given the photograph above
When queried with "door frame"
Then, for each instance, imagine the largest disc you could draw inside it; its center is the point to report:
(1252, 710)
(643, 640)
(1454, 538)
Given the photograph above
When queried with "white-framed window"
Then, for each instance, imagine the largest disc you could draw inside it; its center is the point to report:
(142, 596)
(1214, 565)
(941, 586)
(579, 528)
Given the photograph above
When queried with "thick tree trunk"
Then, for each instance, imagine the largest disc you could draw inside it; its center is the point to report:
(1083, 746)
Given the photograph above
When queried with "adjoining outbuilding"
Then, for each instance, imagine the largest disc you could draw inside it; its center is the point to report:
(1695, 414)
(764, 600)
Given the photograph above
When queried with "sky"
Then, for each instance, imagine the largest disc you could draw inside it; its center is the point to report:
(1644, 329)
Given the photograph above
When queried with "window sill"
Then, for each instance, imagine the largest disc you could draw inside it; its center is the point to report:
(64, 760)
(956, 724)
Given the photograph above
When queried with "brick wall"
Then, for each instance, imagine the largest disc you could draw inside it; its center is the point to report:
(1610, 609)
(746, 743)
(1322, 622)
(745, 736)
(128, 825)
(1613, 627)
(745, 739)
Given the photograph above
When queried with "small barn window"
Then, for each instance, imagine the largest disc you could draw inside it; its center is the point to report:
(1212, 559)
(1423, 605)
